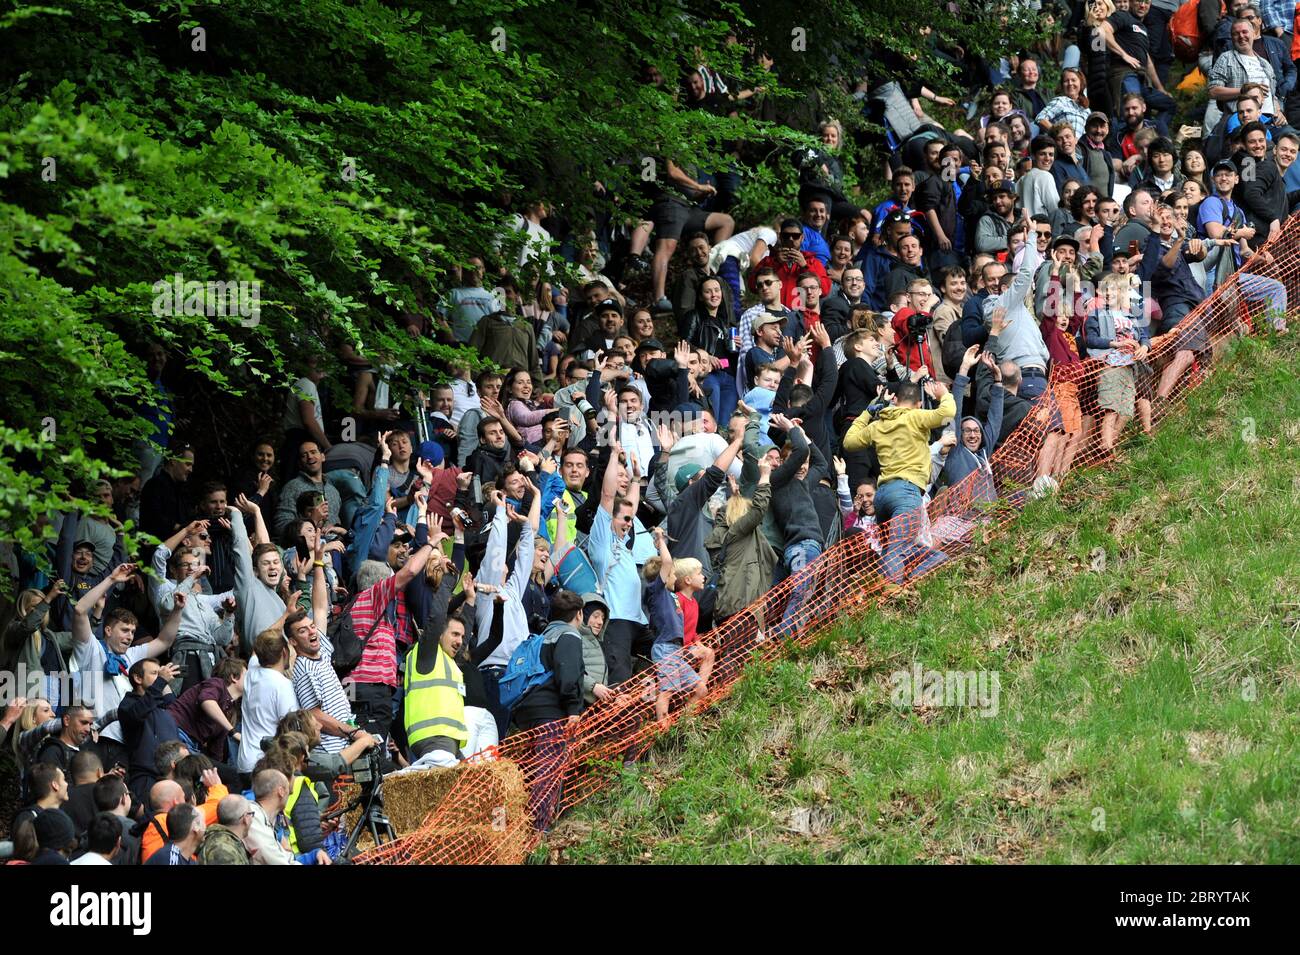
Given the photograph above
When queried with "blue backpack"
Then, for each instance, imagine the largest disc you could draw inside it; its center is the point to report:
(524, 672)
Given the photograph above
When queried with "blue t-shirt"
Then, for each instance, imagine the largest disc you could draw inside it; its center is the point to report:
(665, 618)
(1225, 213)
(615, 565)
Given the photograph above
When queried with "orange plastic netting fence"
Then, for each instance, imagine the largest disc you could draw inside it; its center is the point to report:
(563, 768)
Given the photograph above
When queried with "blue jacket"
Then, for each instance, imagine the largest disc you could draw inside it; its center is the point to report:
(366, 524)
(876, 266)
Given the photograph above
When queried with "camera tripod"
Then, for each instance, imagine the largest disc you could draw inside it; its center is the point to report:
(373, 819)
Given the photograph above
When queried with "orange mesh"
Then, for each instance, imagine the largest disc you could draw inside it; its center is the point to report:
(471, 826)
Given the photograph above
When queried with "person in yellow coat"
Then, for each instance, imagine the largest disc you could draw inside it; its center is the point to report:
(901, 437)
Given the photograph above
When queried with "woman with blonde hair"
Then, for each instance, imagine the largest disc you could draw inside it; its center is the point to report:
(23, 727)
(29, 643)
(738, 547)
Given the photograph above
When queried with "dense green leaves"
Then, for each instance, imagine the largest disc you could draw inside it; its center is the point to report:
(343, 155)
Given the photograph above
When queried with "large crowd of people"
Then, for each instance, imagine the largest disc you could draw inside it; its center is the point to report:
(692, 412)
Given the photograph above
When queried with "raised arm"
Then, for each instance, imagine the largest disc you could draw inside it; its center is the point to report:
(81, 631)
(609, 487)
(320, 591)
(162, 643)
(260, 535)
(416, 562)
(665, 558)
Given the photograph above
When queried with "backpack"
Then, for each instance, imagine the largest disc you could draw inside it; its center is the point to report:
(952, 350)
(348, 647)
(525, 672)
(576, 573)
(1185, 31)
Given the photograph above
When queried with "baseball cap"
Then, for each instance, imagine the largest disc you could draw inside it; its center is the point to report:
(1097, 117)
(767, 318)
(1222, 165)
(684, 475)
(608, 305)
(1069, 240)
(1000, 187)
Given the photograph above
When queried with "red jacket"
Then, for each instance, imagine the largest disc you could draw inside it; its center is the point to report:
(789, 275)
(909, 352)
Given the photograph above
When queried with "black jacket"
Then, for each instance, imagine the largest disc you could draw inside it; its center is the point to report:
(146, 722)
(561, 695)
(1261, 193)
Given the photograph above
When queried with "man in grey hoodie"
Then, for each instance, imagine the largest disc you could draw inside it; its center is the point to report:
(1021, 342)
(258, 574)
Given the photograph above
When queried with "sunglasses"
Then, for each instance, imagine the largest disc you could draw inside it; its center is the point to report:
(791, 236)
(766, 282)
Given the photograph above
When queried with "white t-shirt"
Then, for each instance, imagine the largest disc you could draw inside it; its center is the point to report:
(268, 698)
(538, 239)
(292, 413)
(316, 687)
(90, 858)
(740, 246)
(98, 689)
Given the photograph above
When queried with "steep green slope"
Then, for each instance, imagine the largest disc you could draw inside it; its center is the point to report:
(1143, 629)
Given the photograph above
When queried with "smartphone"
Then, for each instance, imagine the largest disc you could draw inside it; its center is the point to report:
(1133, 248)
(303, 550)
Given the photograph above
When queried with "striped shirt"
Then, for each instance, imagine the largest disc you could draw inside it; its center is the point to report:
(379, 660)
(317, 687)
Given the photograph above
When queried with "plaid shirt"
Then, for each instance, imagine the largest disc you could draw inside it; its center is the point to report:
(379, 660)
(1277, 13)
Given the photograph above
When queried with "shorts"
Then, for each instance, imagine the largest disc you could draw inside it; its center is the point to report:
(1117, 389)
(1193, 336)
(673, 216)
(1067, 404)
(674, 672)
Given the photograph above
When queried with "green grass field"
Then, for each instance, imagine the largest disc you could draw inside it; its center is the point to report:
(1143, 628)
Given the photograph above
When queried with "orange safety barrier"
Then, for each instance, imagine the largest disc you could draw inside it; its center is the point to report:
(564, 766)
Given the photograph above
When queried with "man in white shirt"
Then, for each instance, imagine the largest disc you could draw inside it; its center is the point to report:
(268, 695)
(103, 664)
(102, 841)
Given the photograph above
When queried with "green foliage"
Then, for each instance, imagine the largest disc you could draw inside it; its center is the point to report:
(345, 156)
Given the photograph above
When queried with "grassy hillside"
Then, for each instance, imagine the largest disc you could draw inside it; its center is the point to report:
(1143, 630)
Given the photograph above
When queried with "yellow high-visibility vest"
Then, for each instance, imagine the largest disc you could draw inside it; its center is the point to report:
(434, 702)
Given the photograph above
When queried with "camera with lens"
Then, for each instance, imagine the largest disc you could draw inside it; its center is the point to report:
(917, 323)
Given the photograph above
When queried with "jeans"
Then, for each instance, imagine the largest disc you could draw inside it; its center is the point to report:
(729, 270)
(1161, 105)
(720, 386)
(798, 557)
(1032, 385)
(492, 690)
(1070, 58)
(1258, 288)
(548, 777)
(897, 505)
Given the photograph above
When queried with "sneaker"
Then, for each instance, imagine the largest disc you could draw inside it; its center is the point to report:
(664, 305)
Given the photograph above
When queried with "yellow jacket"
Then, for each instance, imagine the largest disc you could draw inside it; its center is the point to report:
(902, 439)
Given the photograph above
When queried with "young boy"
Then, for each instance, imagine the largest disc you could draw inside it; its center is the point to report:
(904, 184)
(1113, 336)
(761, 397)
(675, 673)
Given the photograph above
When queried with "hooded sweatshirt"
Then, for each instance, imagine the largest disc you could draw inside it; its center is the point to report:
(901, 437)
(961, 461)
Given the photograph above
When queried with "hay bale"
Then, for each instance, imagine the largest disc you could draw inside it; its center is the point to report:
(492, 801)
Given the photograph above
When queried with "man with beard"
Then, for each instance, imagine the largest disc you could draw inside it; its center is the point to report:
(489, 458)
(310, 477)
